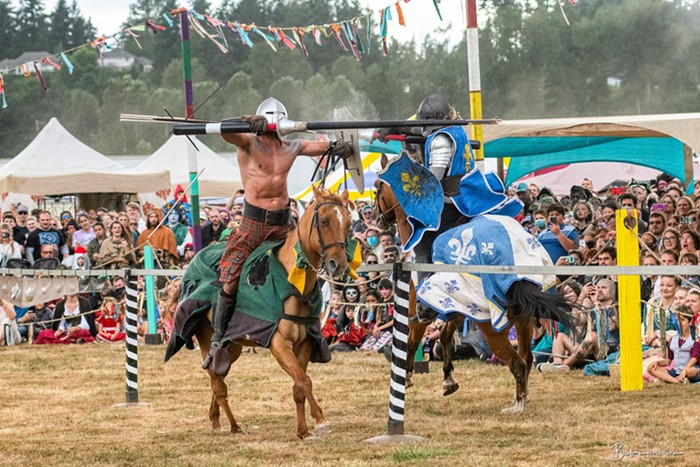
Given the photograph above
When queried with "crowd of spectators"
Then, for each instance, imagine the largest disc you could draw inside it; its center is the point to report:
(578, 228)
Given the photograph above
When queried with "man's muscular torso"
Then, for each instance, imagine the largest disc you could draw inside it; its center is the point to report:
(265, 162)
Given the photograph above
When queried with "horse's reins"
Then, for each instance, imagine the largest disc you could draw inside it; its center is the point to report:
(315, 223)
(377, 208)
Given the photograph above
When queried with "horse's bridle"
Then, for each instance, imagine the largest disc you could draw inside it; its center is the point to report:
(315, 223)
(377, 212)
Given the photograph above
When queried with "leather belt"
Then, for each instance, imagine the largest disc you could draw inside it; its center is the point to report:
(276, 217)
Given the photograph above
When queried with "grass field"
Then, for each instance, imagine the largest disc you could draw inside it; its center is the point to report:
(56, 407)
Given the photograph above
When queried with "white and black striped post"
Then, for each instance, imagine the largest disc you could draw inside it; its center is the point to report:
(399, 354)
(132, 343)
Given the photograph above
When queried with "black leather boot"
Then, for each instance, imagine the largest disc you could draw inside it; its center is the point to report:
(218, 359)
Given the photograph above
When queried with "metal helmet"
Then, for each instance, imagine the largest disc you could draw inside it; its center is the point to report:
(272, 110)
(434, 107)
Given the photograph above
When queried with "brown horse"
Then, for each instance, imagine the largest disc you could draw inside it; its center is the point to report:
(525, 302)
(322, 231)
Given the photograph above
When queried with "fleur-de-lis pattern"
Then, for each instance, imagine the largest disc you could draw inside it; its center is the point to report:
(411, 183)
(446, 303)
(451, 287)
(487, 248)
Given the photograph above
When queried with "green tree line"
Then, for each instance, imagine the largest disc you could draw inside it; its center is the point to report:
(615, 57)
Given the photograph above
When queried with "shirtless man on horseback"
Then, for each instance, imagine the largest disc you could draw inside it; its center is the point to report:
(265, 161)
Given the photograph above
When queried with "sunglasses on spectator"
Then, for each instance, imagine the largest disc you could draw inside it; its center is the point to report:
(22, 213)
(371, 262)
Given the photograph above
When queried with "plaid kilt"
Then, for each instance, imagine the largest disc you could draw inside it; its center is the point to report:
(243, 240)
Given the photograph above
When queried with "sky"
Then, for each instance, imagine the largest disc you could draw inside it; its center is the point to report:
(421, 17)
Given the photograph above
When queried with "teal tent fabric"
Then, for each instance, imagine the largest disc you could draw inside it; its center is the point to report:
(529, 154)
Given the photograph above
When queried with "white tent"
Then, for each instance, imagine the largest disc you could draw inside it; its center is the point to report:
(220, 178)
(56, 163)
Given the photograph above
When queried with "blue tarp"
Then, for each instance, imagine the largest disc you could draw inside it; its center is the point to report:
(664, 154)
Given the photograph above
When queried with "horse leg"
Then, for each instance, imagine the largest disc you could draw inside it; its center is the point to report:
(220, 388)
(219, 396)
(282, 349)
(449, 384)
(415, 336)
(524, 329)
(322, 426)
(501, 346)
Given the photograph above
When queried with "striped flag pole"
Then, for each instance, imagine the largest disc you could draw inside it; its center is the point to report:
(474, 79)
(132, 343)
(399, 354)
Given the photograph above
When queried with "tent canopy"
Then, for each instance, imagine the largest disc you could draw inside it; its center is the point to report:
(57, 163)
(220, 178)
(663, 142)
(371, 164)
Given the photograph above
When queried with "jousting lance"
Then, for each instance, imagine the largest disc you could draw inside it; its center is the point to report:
(285, 127)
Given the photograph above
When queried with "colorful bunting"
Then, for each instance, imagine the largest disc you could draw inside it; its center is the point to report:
(168, 20)
(154, 27)
(67, 62)
(47, 60)
(40, 77)
(2, 92)
(134, 36)
(290, 37)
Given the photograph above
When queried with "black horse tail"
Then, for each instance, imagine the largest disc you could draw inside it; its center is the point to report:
(528, 300)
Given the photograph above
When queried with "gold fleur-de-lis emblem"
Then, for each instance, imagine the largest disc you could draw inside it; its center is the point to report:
(411, 184)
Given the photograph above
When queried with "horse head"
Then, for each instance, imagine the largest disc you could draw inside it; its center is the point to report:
(387, 209)
(323, 231)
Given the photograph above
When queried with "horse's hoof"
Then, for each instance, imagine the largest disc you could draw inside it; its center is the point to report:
(409, 382)
(449, 388)
(237, 430)
(517, 408)
(308, 436)
(323, 429)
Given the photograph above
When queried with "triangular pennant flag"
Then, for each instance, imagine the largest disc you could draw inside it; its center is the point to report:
(134, 36)
(154, 27)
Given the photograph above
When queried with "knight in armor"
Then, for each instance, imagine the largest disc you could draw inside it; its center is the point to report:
(264, 160)
(467, 192)
(447, 154)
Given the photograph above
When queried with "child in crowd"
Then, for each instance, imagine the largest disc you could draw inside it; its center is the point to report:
(109, 321)
(384, 320)
(661, 309)
(330, 317)
(351, 336)
(683, 354)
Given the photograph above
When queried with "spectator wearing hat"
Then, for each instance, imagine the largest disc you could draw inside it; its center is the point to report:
(523, 192)
(366, 220)
(20, 230)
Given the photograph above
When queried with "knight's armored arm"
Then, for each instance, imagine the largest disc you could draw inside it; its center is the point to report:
(442, 149)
